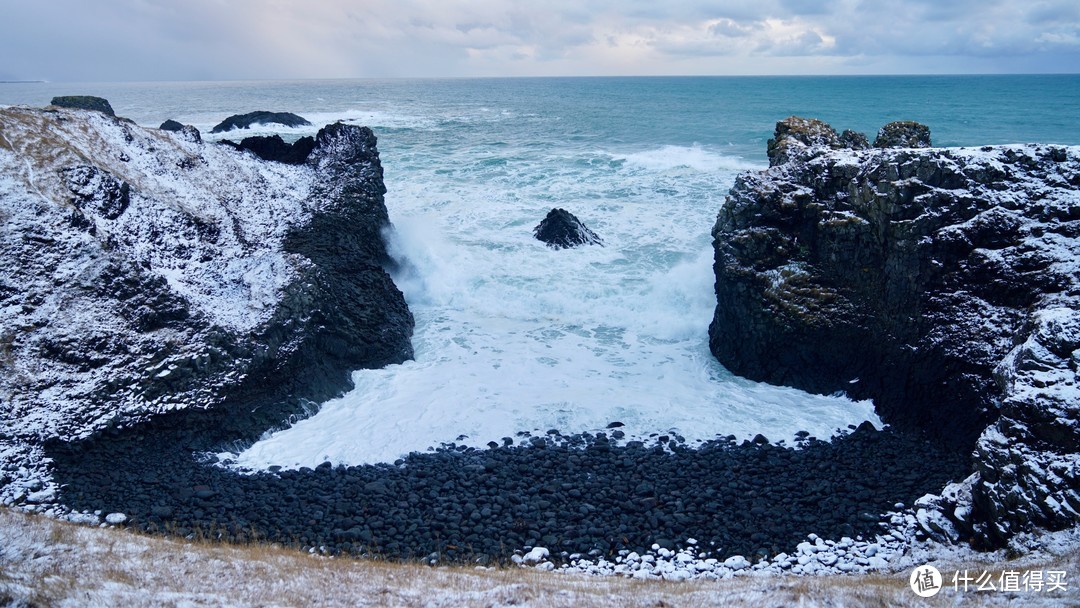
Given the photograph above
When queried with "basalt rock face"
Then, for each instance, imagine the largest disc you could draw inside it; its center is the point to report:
(262, 117)
(151, 279)
(942, 283)
(561, 229)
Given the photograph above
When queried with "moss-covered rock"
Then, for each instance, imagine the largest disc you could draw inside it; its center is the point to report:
(794, 134)
(903, 134)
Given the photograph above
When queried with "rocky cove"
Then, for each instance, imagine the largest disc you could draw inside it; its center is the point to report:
(119, 451)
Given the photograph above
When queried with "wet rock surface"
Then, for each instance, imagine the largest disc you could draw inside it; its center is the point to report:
(942, 283)
(561, 229)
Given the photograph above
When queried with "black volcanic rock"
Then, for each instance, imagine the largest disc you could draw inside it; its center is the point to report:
(243, 121)
(274, 148)
(84, 102)
(854, 140)
(903, 134)
(171, 125)
(575, 493)
(560, 230)
(942, 283)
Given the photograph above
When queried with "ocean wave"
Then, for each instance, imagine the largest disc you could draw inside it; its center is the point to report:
(695, 158)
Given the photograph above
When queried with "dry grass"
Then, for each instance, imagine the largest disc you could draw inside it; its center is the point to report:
(47, 563)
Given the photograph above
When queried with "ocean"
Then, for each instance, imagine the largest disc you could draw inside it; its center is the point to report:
(512, 336)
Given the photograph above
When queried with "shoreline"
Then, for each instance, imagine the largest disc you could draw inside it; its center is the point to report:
(574, 494)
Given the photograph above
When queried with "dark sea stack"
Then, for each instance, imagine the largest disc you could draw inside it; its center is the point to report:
(941, 283)
(215, 293)
(171, 125)
(244, 121)
(84, 102)
(561, 230)
(903, 134)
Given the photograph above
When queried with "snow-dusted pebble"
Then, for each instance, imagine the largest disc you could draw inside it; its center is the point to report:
(736, 562)
(536, 555)
(115, 518)
(876, 563)
(86, 519)
(827, 558)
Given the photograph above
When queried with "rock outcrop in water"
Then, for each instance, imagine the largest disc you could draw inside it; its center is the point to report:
(148, 278)
(561, 230)
(262, 117)
(84, 102)
(942, 283)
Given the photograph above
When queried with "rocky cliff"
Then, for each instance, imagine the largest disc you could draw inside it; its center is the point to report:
(942, 283)
(147, 274)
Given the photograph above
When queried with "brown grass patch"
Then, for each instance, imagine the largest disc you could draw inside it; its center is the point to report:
(44, 562)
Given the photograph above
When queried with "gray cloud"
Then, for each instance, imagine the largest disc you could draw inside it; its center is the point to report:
(214, 39)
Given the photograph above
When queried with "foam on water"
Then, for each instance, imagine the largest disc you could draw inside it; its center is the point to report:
(513, 336)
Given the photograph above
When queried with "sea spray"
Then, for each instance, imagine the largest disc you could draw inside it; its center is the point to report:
(513, 336)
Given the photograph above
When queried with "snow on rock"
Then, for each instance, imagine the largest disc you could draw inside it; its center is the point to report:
(736, 562)
(946, 281)
(144, 272)
(115, 518)
(535, 555)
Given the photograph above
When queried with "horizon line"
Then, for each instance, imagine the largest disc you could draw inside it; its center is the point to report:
(534, 77)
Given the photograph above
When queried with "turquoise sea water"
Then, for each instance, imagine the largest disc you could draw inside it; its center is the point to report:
(711, 111)
(513, 336)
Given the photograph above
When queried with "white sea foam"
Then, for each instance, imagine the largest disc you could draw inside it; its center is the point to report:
(694, 158)
(513, 336)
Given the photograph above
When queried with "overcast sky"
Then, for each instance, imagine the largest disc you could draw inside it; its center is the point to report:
(124, 40)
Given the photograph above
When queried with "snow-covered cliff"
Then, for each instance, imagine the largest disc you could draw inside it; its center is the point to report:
(942, 283)
(144, 272)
